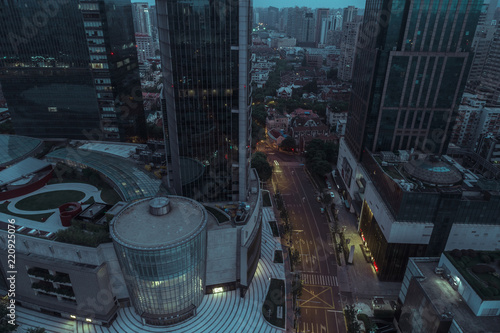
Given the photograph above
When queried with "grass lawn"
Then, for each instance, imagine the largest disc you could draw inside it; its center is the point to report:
(89, 201)
(218, 214)
(108, 195)
(266, 199)
(34, 217)
(65, 174)
(274, 228)
(275, 300)
(49, 200)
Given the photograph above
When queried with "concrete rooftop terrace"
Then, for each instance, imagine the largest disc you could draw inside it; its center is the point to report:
(136, 226)
(446, 299)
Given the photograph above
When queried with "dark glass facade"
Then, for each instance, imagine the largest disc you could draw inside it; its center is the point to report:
(411, 65)
(69, 69)
(205, 59)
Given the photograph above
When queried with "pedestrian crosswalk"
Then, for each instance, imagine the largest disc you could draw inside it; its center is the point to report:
(320, 280)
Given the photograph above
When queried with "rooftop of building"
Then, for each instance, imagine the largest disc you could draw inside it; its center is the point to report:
(129, 179)
(138, 227)
(448, 301)
(14, 148)
(461, 171)
(22, 172)
(479, 269)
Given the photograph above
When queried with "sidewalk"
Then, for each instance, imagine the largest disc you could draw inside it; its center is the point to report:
(359, 282)
(290, 316)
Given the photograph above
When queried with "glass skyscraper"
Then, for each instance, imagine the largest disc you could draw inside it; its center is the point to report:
(205, 59)
(69, 69)
(411, 65)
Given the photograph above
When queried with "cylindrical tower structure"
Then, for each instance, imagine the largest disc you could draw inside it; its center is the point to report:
(161, 245)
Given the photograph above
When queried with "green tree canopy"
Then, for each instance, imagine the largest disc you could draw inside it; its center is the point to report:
(311, 87)
(288, 144)
(259, 114)
(264, 169)
(36, 330)
(5, 326)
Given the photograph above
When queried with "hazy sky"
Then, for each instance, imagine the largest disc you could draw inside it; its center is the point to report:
(309, 3)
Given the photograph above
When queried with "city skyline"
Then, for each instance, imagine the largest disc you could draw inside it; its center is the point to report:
(293, 3)
(310, 4)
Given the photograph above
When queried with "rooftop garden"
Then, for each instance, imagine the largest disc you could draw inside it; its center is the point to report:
(66, 174)
(49, 200)
(84, 233)
(481, 269)
(34, 217)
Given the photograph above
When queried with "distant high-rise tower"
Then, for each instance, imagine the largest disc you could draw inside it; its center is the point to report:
(482, 42)
(142, 18)
(205, 61)
(489, 86)
(301, 25)
(412, 62)
(350, 15)
(347, 50)
(69, 69)
(323, 24)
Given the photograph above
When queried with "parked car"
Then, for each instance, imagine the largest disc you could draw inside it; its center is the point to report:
(332, 195)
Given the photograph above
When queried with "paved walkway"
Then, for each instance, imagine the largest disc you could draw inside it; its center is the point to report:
(53, 223)
(218, 313)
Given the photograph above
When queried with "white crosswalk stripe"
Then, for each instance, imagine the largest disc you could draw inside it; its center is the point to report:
(320, 280)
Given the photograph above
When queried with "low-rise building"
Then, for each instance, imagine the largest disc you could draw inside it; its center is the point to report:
(81, 275)
(439, 295)
(277, 121)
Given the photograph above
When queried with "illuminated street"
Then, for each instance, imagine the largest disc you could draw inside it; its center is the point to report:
(321, 309)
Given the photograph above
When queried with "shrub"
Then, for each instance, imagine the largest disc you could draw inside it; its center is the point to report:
(482, 269)
(466, 259)
(487, 292)
(460, 264)
(494, 291)
(456, 253)
(485, 258)
(471, 253)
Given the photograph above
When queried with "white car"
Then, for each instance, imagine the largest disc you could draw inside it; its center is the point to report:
(332, 195)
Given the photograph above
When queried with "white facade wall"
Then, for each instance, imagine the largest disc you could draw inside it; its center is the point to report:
(475, 303)
(480, 237)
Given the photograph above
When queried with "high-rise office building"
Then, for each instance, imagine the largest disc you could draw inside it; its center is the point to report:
(482, 41)
(350, 33)
(350, 14)
(206, 63)
(69, 69)
(489, 85)
(141, 17)
(323, 24)
(301, 25)
(410, 71)
(411, 65)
